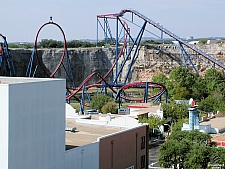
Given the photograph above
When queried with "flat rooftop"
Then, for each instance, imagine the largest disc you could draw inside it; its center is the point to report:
(2, 82)
(218, 138)
(150, 109)
(218, 122)
(14, 80)
(85, 134)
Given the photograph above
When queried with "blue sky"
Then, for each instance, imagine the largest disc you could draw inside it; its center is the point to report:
(20, 20)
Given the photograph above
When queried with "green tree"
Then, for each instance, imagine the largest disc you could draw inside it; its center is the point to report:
(101, 43)
(181, 93)
(183, 84)
(173, 153)
(198, 89)
(181, 149)
(110, 107)
(154, 121)
(181, 77)
(206, 104)
(87, 45)
(50, 43)
(99, 100)
(176, 126)
(213, 102)
(203, 41)
(193, 136)
(23, 46)
(175, 111)
(198, 137)
(149, 42)
(171, 89)
(198, 156)
(218, 156)
(74, 44)
(160, 78)
(214, 79)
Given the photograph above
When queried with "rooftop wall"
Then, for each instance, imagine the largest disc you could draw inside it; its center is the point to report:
(85, 157)
(4, 123)
(35, 129)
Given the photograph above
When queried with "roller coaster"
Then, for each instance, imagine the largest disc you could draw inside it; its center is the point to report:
(118, 89)
(126, 56)
(182, 43)
(6, 62)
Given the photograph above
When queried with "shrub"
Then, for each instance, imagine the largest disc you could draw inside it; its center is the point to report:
(98, 101)
(110, 107)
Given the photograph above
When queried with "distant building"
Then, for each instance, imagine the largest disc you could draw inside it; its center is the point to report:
(212, 125)
(219, 140)
(190, 38)
(194, 42)
(214, 41)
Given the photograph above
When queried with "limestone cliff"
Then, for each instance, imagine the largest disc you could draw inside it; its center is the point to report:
(150, 61)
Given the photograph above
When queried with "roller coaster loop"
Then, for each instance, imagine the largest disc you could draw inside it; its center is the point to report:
(68, 70)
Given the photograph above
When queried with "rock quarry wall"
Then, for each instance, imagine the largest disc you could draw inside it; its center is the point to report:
(150, 61)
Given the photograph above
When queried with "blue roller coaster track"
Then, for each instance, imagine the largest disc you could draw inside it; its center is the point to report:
(215, 63)
(6, 61)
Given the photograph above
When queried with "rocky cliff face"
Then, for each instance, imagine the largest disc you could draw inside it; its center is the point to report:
(164, 58)
(150, 61)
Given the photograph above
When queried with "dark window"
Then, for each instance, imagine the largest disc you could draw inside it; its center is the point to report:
(143, 142)
(143, 161)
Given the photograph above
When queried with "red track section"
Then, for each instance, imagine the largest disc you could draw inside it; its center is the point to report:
(63, 54)
(152, 85)
(89, 86)
(131, 85)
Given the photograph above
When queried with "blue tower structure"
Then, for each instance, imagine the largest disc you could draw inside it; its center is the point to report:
(193, 118)
(6, 59)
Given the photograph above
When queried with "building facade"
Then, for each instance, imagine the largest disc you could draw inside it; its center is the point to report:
(32, 121)
(127, 149)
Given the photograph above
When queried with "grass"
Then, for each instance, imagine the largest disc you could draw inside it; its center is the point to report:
(76, 106)
(134, 92)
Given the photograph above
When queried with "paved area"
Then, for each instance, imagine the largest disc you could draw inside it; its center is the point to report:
(153, 152)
